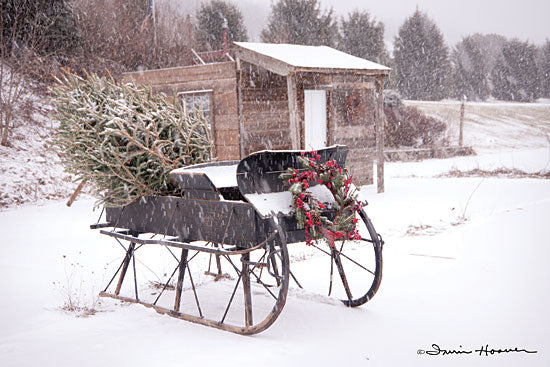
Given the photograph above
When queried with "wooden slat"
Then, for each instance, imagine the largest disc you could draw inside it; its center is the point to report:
(257, 77)
(276, 134)
(228, 152)
(264, 121)
(225, 103)
(266, 62)
(264, 95)
(268, 106)
(227, 137)
(227, 122)
(182, 74)
(218, 85)
(314, 80)
(208, 322)
(354, 85)
(252, 147)
(273, 140)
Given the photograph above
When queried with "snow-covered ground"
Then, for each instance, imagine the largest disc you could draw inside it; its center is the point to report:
(465, 267)
(30, 171)
(494, 126)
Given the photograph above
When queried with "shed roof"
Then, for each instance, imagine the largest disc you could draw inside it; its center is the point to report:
(284, 58)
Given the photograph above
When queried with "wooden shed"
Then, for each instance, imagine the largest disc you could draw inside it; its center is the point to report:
(278, 96)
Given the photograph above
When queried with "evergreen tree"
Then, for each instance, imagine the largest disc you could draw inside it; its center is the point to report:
(363, 37)
(45, 26)
(124, 139)
(422, 65)
(491, 46)
(515, 76)
(545, 69)
(212, 17)
(471, 73)
(301, 22)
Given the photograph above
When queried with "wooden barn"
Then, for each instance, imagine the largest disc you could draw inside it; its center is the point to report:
(277, 96)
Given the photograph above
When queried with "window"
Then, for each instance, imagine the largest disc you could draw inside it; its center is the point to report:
(200, 101)
(197, 101)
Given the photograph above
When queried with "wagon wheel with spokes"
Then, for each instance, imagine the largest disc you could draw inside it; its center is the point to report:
(355, 267)
(262, 279)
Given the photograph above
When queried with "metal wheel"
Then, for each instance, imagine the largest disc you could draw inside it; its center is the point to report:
(354, 267)
(237, 290)
(260, 289)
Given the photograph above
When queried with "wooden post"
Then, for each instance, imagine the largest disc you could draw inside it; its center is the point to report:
(127, 259)
(181, 274)
(293, 110)
(461, 131)
(380, 119)
(240, 107)
(246, 290)
(76, 192)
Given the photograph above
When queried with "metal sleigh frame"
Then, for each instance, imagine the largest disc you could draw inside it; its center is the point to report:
(222, 224)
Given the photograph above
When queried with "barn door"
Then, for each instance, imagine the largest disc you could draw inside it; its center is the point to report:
(315, 111)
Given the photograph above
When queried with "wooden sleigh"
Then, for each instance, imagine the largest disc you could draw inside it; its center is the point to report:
(236, 216)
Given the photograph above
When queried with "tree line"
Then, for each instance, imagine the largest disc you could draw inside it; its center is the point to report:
(424, 67)
(124, 35)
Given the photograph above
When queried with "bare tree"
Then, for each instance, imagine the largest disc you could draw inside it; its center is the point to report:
(133, 34)
(33, 34)
(13, 83)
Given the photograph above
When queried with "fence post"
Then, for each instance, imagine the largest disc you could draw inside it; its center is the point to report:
(461, 131)
(380, 134)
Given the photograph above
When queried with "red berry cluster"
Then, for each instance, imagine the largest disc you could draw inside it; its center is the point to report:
(309, 210)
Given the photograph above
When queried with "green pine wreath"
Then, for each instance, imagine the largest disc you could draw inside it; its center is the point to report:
(310, 212)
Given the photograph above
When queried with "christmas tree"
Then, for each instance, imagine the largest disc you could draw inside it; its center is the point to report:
(124, 139)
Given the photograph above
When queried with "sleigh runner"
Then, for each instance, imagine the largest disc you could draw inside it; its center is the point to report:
(237, 217)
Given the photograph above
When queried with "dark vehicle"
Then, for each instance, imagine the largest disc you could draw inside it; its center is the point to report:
(392, 98)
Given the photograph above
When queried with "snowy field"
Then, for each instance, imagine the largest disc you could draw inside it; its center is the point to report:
(465, 267)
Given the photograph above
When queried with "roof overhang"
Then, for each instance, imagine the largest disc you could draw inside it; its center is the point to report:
(284, 59)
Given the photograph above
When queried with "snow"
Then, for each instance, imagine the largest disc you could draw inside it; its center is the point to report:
(281, 202)
(30, 170)
(322, 57)
(493, 127)
(465, 265)
(271, 203)
(219, 175)
(484, 281)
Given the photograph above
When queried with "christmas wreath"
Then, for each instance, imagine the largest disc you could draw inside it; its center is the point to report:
(310, 212)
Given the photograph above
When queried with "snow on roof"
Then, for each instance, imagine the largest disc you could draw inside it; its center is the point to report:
(322, 57)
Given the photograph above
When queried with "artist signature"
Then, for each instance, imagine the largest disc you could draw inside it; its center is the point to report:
(484, 350)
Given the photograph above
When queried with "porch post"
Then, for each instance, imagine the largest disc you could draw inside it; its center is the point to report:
(293, 110)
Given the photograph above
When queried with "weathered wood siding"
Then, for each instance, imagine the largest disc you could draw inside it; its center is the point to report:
(352, 122)
(221, 78)
(264, 109)
(351, 108)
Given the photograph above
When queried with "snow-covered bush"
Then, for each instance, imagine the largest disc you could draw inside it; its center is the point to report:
(408, 127)
(124, 139)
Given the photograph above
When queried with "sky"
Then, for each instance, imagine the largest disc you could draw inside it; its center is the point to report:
(527, 20)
